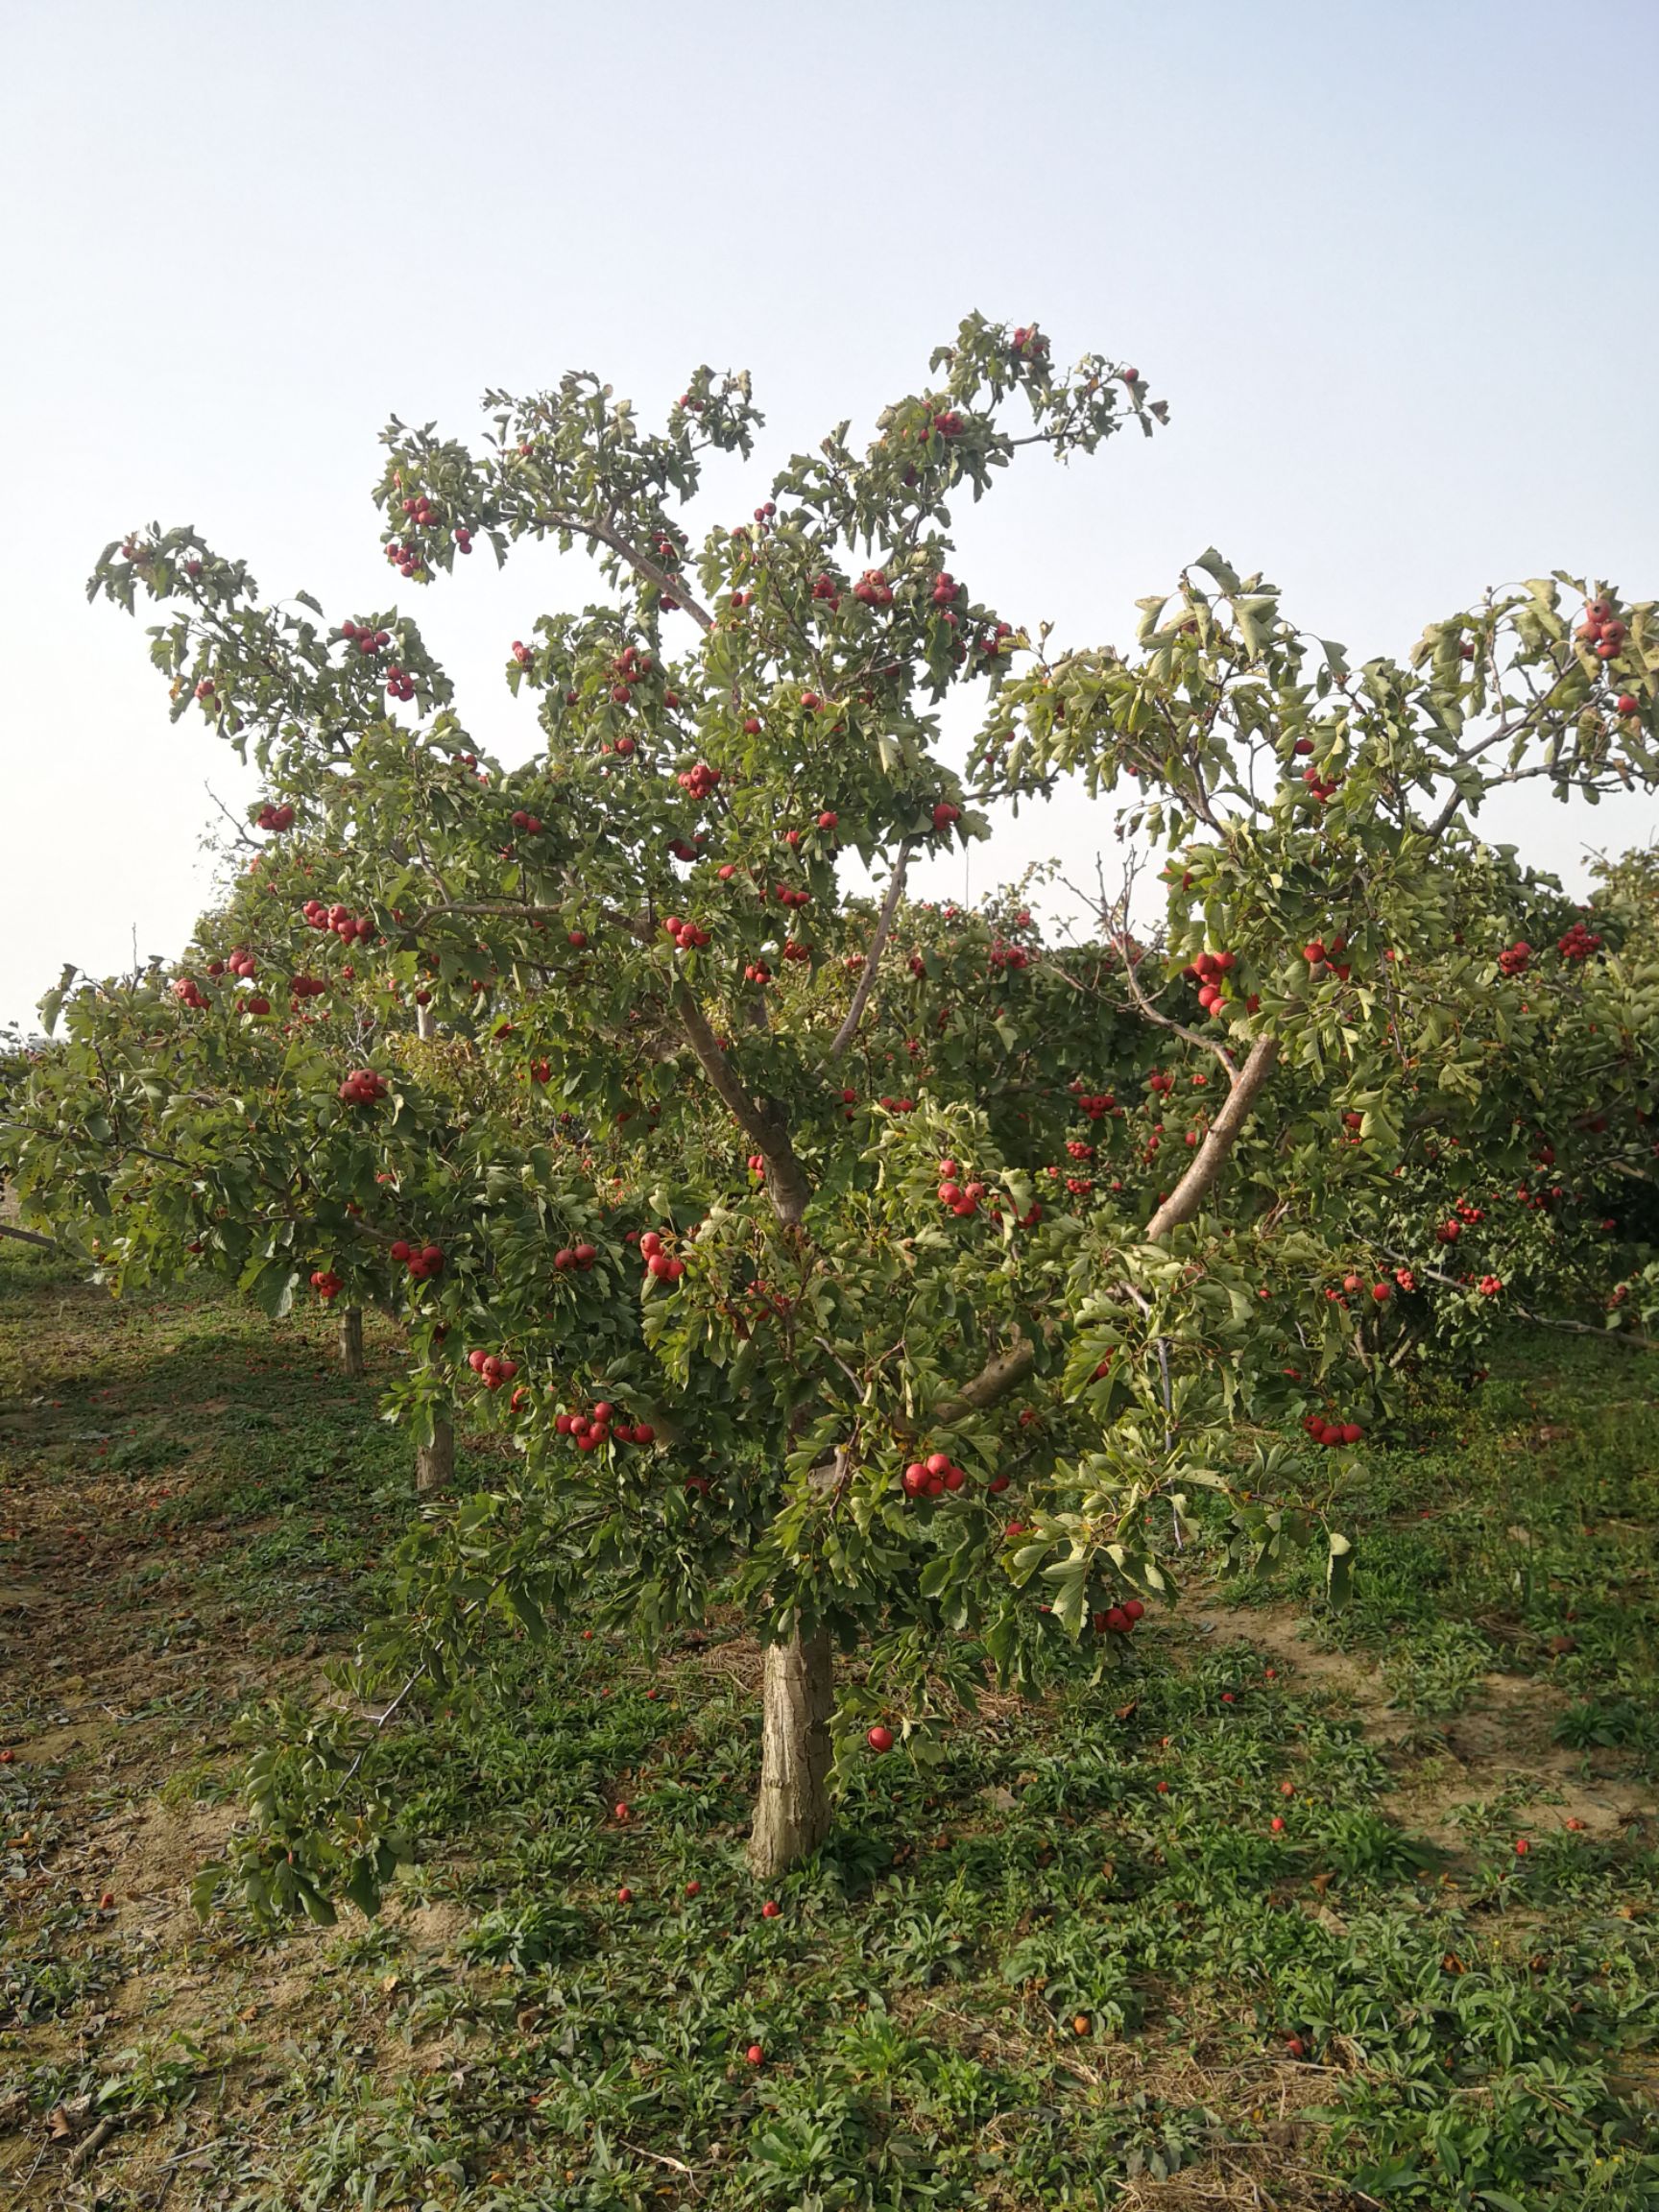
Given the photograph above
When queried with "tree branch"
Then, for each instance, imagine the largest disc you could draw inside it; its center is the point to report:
(1189, 1194)
(1168, 1022)
(999, 1376)
(1631, 1340)
(671, 588)
(849, 1028)
(31, 1236)
(760, 1122)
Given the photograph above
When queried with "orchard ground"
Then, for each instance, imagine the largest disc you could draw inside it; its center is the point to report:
(1071, 1962)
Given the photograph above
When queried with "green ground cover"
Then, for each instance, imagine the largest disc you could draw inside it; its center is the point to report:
(1069, 1961)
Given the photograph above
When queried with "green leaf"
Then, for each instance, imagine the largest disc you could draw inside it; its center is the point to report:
(272, 1287)
(1223, 571)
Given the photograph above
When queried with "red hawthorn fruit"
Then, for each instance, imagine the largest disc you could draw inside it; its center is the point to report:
(880, 1739)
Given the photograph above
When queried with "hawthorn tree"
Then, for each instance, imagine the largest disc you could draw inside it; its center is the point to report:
(896, 1271)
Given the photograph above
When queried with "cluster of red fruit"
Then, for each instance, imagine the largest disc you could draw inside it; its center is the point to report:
(947, 423)
(1603, 632)
(1489, 1285)
(1095, 1104)
(1332, 1434)
(587, 1431)
(327, 1283)
(757, 971)
(270, 817)
(962, 1198)
(945, 589)
(490, 1371)
(796, 949)
(577, 1257)
(239, 962)
(932, 1477)
(792, 898)
(628, 668)
(308, 987)
(363, 1088)
(683, 851)
(1513, 960)
(944, 814)
(408, 560)
(366, 640)
(686, 935)
(1577, 943)
(1120, 1620)
(1464, 1217)
(1030, 340)
(872, 589)
(188, 993)
(699, 780)
(1326, 959)
(1009, 956)
(1320, 786)
(1207, 971)
(348, 927)
(422, 1261)
(659, 1262)
(823, 588)
(529, 824)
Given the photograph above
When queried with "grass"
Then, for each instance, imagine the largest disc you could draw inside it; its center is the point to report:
(1071, 1964)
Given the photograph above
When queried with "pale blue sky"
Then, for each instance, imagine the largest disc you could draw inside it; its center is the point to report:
(1393, 265)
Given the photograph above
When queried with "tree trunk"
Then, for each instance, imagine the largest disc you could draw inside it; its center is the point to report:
(792, 1811)
(435, 1462)
(352, 1363)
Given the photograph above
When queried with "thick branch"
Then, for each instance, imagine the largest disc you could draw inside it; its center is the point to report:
(29, 1236)
(760, 1120)
(849, 1028)
(1189, 1194)
(993, 1383)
